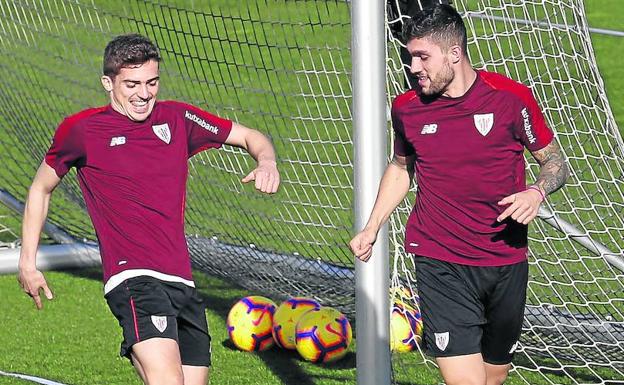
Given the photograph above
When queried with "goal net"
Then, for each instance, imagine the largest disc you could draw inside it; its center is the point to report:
(8, 222)
(573, 328)
(284, 67)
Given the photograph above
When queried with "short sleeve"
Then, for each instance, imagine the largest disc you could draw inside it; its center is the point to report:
(531, 125)
(401, 145)
(67, 149)
(204, 130)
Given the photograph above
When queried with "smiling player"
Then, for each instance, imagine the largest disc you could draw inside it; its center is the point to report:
(132, 161)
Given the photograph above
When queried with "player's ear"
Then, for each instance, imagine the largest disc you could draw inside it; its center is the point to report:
(107, 83)
(455, 53)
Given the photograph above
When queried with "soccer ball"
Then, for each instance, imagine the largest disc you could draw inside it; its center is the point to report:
(249, 323)
(323, 335)
(405, 327)
(286, 317)
(401, 293)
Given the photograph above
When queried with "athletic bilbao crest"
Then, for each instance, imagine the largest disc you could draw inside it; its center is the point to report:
(484, 123)
(442, 340)
(162, 132)
(160, 321)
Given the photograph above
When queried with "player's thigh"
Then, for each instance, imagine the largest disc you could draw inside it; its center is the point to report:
(462, 370)
(159, 360)
(195, 375)
(505, 314)
(451, 309)
(193, 334)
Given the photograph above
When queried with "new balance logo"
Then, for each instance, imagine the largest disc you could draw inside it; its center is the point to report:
(201, 122)
(118, 141)
(429, 129)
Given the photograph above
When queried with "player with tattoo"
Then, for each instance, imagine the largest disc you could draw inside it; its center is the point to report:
(463, 132)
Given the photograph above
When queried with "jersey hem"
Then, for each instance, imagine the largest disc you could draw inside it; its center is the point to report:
(470, 262)
(118, 278)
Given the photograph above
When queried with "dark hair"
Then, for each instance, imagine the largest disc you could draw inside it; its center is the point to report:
(441, 23)
(127, 50)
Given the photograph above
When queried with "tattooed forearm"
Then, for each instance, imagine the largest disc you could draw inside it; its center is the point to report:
(553, 169)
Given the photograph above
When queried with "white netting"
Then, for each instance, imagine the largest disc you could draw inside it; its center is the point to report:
(574, 323)
(279, 66)
(8, 237)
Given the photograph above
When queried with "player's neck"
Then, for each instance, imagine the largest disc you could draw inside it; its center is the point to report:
(116, 106)
(464, 78)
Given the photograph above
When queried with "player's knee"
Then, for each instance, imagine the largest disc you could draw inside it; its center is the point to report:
(496, 379)
(166, 377)
(496, 374)
(465, 379)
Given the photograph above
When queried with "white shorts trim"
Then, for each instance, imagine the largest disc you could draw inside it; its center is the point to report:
(118, 278)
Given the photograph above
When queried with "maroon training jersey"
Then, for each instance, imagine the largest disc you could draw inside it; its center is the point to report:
(469, 155)
(133, 179)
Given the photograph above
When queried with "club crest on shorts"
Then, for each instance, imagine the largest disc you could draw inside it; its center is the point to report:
(442, 340)
(160, 321)
(162, 132)
(484, 123)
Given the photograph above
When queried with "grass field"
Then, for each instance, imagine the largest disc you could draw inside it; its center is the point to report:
(75, 339)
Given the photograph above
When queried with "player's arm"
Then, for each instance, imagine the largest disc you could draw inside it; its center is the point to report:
(554, 171)
(261, 149)
(35, 212)
(393, 188)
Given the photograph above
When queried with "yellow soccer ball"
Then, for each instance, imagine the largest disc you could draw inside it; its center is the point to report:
(286, 317)
(323, 335)
(249, 323)
(405, 327)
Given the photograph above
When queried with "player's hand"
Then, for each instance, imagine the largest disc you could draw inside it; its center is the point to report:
(523, 206)
(266, 176)
(33, 283)
(362, 244)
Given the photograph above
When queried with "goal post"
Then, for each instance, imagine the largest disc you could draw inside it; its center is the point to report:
(58, 249)
(370, 160)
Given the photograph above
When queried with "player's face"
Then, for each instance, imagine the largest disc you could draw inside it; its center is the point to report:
(133, 91)
(431, 66)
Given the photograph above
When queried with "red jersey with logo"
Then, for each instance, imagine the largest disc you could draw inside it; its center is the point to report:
(469, 154)
(133, 179)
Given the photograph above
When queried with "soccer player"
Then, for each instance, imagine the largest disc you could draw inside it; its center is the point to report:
(132, 161)
(463, 132)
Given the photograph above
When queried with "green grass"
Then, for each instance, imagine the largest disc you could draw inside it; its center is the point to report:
(75, 339)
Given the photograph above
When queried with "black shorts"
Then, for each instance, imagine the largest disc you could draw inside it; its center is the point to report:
(471, 309)
(147, 307)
